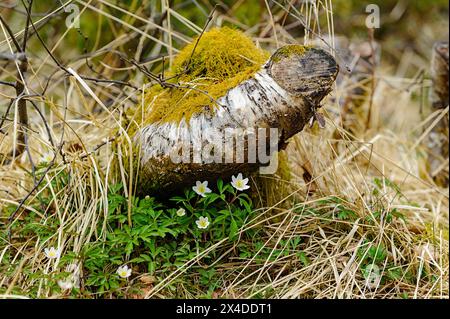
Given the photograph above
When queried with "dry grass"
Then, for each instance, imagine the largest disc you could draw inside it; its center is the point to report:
(382, 169)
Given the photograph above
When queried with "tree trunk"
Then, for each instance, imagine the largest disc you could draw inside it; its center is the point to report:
(438, 137)
(262, 112)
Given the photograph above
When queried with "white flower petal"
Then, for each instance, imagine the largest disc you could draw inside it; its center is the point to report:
(202, 222)
(239, 182)
(51, 253)
(124, 271)
(181, 212)
(65, 284)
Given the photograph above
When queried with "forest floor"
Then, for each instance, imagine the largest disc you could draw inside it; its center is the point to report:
(357, 215)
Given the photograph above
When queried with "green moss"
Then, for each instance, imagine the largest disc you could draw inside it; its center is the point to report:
(289, 50)
(284, 170)
(223, 58)
(272, 190)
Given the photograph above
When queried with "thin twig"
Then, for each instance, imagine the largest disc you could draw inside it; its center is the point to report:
(20, 84)
(7, 83)
(200, 36)
(372, 82)
(11, 34)
(62, 67)
(6, 114)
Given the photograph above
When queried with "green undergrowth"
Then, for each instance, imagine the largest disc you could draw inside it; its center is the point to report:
(158, 238)
(161, 238)
(155, 239)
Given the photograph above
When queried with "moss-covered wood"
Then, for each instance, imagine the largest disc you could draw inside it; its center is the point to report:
(205, 70)
(283, 94)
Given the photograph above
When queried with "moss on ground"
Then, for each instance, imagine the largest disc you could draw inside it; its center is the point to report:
(272, 190)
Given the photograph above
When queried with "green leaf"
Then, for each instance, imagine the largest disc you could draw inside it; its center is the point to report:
(129, 248)
(244, 203)
(151, 267)
(395, 273)
(303, 259)
(221, 218)
(233, 229)
(209, 199)
(113, 284)
(378, 254)
(220, 185)
(397, 214)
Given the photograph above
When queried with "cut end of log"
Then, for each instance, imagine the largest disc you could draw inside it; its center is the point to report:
(304, 71)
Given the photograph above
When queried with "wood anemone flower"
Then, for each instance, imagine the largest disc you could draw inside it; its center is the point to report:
(51, 253)
(202, 222)
(239, 182)
(124, 271)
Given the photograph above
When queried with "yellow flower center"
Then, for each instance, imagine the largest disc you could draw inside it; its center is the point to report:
(201, 189)
(239, 183)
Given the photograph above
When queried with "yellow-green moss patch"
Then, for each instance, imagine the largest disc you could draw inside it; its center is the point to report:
(223, 58)
(289, 50)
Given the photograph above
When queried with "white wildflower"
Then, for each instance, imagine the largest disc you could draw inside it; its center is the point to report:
(202, 222)
(65, 284)
(239, 182)
(181, 212)
(124, 271)
(201, 188)
(51, 252)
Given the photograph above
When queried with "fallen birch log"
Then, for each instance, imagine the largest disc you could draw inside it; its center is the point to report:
(243, 130)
